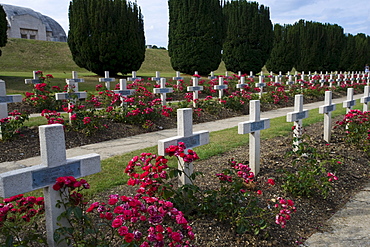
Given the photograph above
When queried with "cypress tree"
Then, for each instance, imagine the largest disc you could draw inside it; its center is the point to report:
(249, 36)
(106, 35)
(3, 28)
(195, 35)
(283, 51)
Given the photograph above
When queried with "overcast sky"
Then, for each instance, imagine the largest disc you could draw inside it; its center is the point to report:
(353, 16)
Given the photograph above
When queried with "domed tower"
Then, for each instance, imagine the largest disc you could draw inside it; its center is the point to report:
(28, 24)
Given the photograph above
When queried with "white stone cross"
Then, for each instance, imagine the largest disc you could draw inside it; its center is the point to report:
(290, 80)
(251, 74)
(339, 80)
(163, 90)
(157, 77)
(35, 79)
(326, 110)
(107, 80)
(350, 102)
(220, 87)
(178, 77)
(260, 85)
(54, 164)
(133, 77)
(366, 99)
(123, 91)
(75, 78)
(241, 83)
(296, 116)
(191, 140)
(323, 80)
(195, 89)
(212, 76)
(5, 99)
(253, 127)
(71, 95)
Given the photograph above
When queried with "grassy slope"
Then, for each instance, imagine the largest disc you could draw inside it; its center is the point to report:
(20, 57)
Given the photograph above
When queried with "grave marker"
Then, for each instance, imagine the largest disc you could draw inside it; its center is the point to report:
(212, 76)
(220, 87)
(260, 85)
(366, 99)
(157, 77)
(350, 102)
(163, 90)
(75, 78)
(123, 91)
(35, 79)
(5, 99)
(195, 89)
(327, 109)
(71, 95)
(107, 80)
(184, 134)
(241, 83)
(296, 116)
(54, 164)
(253, 128)
(178, 77)
(133, 77)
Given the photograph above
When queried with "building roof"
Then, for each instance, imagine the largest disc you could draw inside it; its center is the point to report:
(50, 24)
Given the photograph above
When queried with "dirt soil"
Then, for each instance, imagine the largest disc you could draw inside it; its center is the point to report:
(311, 214)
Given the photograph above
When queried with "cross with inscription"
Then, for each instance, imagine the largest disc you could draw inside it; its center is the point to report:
(71, 95)
(366, 99)
(35, 79)
(157, 77)
(350, 102)
(195, 89)
(184, 134)
(75, 78)
(290, 80)
(107, 80)
(54, 164)
(212, 76)
(133, 77)
(5, 99)
(260, 85)
(178, 77)
(163, 90)
(220, 87)
(296, 116)
(327, 109)
(253, 127)
(123, 91)
(241, 83)
(339, 79)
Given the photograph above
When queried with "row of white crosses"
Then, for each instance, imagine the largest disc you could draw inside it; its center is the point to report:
(54, 164)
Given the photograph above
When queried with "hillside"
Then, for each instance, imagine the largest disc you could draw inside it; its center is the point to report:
(21, 55)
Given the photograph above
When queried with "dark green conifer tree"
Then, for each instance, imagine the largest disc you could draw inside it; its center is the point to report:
(195, 35)
(283, 52)
(106, 35)
(249, 36)
(3, 28)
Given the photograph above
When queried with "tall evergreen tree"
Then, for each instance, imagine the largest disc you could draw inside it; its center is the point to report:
(195, 35)
(106, 35)
(3, 28)
(249, 36)
(283, 52)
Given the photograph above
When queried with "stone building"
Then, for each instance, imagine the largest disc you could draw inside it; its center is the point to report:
(26, 23)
